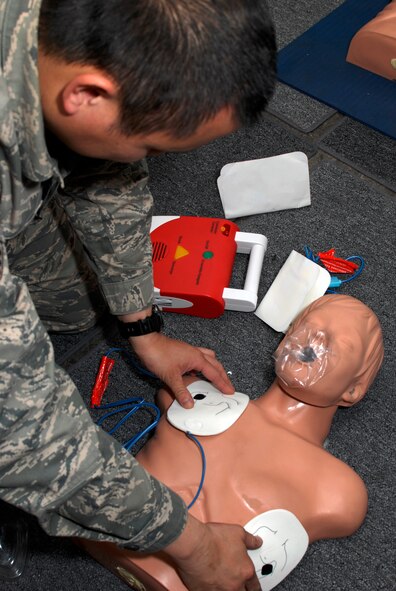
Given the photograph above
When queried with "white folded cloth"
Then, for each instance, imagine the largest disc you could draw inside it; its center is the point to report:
(266, 184)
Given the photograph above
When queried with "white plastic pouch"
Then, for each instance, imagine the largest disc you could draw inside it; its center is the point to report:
(264, 185)
(299, 282)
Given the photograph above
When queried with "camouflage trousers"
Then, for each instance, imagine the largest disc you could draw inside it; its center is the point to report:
(55, 463)
(51, 260)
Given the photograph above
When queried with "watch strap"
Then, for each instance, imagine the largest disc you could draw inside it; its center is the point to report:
(152, 323)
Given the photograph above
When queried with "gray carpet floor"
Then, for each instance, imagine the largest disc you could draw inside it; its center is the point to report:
(353, 187)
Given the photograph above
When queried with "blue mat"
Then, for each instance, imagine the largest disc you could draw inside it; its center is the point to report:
(315, 64)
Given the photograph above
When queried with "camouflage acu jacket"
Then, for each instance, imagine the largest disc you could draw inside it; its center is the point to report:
(108, 204)
(54, 462)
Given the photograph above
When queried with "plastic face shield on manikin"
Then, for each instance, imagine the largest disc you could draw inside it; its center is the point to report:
(304, 356)
(324, 357)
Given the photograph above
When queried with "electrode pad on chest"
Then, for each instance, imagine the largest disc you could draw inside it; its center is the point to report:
(213, 412)
(285, 542)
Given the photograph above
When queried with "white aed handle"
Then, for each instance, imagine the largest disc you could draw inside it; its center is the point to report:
(245, 300)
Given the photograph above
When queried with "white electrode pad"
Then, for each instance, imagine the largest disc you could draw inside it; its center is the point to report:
(285, 542)
(213, 412)
(299, 282)
(265, 184)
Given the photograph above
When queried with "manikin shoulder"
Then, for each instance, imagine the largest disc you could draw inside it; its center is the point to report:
(343, 501)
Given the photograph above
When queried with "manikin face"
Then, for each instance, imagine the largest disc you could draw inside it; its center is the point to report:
(318, 360)
(212, 413)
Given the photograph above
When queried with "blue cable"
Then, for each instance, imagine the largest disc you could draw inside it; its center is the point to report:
(336, 281)
(131, 442)
(191, 436)
(132, 361)
(310, 255)
(132, 405)
(135, 404)
(358, 270)
(131, 412)
(120, 403)
(113, 350)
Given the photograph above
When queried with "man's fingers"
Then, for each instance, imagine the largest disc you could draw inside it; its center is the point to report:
(216, 374)
(252, 542)
(253, 584)
(213, 370)
(180, 392)
(207, 352)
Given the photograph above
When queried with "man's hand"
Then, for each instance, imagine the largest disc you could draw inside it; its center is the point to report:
(213, 557)
(169, 359)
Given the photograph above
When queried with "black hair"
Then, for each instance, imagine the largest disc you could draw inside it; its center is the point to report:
(176, 62)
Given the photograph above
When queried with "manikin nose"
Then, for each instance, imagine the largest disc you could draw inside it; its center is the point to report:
(307, 354)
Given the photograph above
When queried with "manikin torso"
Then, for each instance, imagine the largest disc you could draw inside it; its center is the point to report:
(262, 462)
(373, 47)
(272, 457)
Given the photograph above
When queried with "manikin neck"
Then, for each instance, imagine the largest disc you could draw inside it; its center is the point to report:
(313, 423)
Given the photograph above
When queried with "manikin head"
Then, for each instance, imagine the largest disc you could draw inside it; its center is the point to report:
(123, 79)
(331, 353)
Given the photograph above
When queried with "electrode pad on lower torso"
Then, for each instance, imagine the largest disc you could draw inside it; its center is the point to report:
(285, 542)
(213, 411)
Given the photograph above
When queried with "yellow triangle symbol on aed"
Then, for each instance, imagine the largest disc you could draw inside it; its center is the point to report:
(180, 252)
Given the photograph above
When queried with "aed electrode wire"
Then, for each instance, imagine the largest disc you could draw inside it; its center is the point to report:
(336, 281)
(132, 405)
(132, 361)
(201, 449)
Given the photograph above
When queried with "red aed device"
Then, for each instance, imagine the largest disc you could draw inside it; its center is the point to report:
(193, 258)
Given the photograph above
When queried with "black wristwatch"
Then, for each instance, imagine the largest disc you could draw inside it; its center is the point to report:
(152, 323)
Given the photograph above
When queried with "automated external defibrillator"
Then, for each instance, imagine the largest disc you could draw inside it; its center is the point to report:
(193, 258)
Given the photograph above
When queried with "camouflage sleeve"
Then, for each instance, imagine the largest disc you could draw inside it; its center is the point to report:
(54, 461)
(109, 205)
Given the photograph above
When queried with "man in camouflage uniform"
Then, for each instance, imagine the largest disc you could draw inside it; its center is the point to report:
(61, 199)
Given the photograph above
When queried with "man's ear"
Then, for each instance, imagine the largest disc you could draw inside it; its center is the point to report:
(354, 393)
(87, 90)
